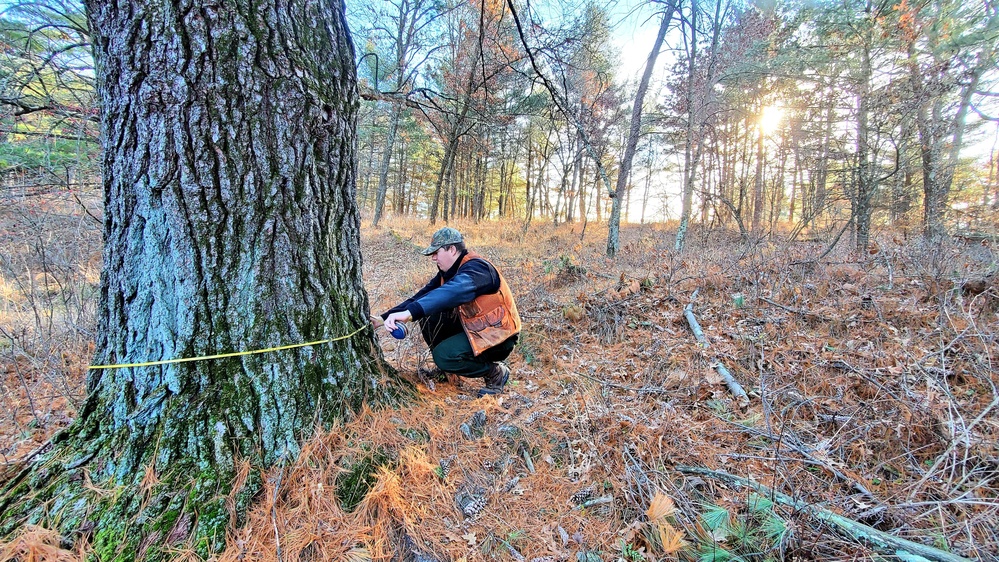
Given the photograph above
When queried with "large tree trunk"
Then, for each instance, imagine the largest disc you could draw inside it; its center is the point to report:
(230, 225)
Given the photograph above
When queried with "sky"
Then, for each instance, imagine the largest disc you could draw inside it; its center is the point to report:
(635, 25)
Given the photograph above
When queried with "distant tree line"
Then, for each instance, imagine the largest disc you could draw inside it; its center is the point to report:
(833, 117)
(840, 118)
(48, 112)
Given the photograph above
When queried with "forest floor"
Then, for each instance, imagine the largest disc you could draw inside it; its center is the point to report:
(871, 394)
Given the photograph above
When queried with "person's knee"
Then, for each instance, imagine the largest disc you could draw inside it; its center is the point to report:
(446, 359)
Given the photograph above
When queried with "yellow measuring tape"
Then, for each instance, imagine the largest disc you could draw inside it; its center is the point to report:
(224, 355)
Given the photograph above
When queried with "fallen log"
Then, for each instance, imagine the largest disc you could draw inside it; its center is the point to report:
(886, 543)
(733, 385)
(695, 327)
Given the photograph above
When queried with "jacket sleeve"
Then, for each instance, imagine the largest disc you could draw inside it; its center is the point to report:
(434, 283)
(476, 277)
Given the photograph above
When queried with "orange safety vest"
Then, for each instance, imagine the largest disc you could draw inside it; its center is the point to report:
(489, 320)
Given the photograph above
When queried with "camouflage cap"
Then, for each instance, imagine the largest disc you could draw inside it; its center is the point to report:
(443, 237)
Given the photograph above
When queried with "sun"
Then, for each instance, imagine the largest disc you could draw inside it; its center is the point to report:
(770, 118)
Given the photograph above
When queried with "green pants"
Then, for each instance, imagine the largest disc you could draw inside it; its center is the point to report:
(454, 355)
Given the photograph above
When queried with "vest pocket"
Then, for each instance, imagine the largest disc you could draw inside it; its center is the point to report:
(470, 309)
(481, 322)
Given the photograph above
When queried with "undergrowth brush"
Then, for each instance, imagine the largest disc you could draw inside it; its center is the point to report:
(870, 393)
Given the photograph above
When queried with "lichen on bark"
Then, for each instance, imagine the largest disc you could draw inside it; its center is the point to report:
(230, 225)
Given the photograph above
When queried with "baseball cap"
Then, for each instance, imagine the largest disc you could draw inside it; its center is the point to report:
(443, 237)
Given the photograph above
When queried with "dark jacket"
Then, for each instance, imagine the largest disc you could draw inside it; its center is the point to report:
(435, 305)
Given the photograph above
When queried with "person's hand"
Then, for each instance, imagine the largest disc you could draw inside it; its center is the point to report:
(376, 321)
(403, 316)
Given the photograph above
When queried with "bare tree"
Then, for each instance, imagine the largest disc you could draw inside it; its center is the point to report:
(697, 103)
(614, 221)
(407, 25)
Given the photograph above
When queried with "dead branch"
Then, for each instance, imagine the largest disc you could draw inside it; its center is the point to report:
(527, 460)
(602, 500)
(391, 97)
(954, 443)
(733, 385)
(695, 327)
(879, 540)
(795, 445)
(648, 389)
(794, 310)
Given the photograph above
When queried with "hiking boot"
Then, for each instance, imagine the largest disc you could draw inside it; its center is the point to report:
(434, 374)
(495, 380)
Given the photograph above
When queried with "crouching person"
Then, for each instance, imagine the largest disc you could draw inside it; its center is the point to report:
(466, 313)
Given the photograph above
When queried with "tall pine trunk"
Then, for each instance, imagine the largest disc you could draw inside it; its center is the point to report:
(230, 225)
(865, 181)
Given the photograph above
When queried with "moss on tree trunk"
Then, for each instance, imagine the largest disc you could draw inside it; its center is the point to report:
(230, 225)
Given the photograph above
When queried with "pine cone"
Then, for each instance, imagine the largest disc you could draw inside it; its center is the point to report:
(475, 426)
(533, 417)
(511, 484)
(446, 465)
(475, 507)
(581, 496)
(478, 420)
(471, 504)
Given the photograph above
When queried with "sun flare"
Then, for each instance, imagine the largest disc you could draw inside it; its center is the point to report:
(770, 118)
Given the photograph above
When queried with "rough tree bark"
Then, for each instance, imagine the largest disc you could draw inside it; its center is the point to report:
(230, 225)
